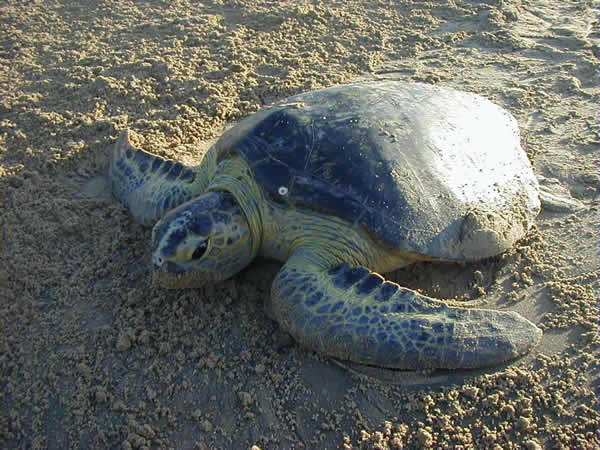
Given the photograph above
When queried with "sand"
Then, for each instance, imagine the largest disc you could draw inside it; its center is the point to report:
(93, 356)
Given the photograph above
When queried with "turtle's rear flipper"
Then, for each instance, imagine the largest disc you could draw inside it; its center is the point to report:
(149, 185)
(354, 314)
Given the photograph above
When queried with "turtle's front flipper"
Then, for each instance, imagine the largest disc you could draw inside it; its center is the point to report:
(150, 185)
(354, 314)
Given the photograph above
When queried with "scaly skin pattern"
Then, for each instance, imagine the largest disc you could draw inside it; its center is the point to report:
(353, 314)
(184, 257)
(149, 185)
(324, 296)
(328, 300)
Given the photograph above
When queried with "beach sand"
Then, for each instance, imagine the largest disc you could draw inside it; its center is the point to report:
(93, 356)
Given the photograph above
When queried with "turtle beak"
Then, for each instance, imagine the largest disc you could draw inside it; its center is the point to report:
(170, 276)
(159, 264)
(175, 275)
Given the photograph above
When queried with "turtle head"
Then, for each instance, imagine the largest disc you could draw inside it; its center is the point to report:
(204, 240)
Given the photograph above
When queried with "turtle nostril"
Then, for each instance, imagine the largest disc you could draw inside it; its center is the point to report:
(157, 261)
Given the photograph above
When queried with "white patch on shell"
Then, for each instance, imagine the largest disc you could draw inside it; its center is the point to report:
(282, 190)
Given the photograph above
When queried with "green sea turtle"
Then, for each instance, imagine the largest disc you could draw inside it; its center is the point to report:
(342, 184)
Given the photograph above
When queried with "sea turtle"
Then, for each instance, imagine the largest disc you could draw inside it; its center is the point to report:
(342, 184)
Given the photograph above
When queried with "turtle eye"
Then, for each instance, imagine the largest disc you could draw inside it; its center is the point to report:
(200, 250)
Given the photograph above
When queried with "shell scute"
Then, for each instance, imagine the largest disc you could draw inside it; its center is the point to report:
(425, 169)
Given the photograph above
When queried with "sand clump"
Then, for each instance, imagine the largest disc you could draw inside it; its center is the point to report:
(93, 355)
